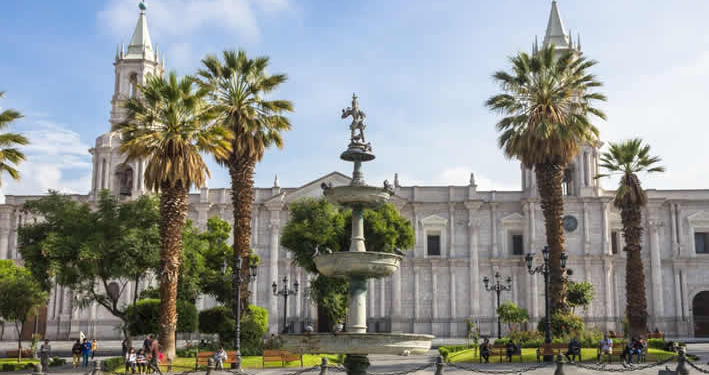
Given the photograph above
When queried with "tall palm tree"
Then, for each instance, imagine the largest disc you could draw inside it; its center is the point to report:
(546, 102)
(627, 159)
(238, 87)
(10, 156)
(169, 125)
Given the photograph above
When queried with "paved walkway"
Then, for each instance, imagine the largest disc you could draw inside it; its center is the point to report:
(388, 364)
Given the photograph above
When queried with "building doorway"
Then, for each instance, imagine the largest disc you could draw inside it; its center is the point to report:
(324, 324)
(700, 312)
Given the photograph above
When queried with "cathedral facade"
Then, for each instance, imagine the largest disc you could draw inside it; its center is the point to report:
(462, 235)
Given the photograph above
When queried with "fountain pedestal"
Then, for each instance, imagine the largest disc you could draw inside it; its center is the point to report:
(357, 265)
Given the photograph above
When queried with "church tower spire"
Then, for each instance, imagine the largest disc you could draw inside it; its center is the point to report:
(132, 67)
(556, 33)
(140, 44)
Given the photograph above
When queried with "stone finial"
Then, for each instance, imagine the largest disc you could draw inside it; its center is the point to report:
(472, 179)
(396, 180)
(275, 182)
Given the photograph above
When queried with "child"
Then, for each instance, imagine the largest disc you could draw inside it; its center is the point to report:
(130, 361)
(142, 362)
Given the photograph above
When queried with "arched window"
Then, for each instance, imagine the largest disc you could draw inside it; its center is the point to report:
(133, 85)
(126, 181)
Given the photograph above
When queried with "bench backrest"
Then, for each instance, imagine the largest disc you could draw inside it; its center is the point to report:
(272, 355)
(205, 354)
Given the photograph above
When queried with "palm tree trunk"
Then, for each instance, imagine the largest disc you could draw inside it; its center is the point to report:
(173, 212)
(549, 179)
(631, 216)
(241, 171)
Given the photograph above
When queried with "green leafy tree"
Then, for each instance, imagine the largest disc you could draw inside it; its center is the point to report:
(21, 296)
(239, 88)
(546, 101)
(627, 159)
(580, 294)
(10, 155)
(170, 125)
(510, 314)
(316, 222)
(145, 315)
(95, 251)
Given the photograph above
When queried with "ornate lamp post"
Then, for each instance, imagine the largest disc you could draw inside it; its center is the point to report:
(545, 269)
(285, 292)
(498, 288)
(236, 274)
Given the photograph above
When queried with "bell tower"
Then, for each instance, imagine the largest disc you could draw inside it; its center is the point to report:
(132, 67)
(579, 176)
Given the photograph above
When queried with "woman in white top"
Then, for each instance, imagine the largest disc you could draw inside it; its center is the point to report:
(131, 360)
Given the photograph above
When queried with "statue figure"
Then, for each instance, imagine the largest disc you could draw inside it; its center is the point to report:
(388, 187)
(396, 180)
(358, 117)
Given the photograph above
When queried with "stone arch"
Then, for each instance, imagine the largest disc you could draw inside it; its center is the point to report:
(700, 313)
(125, 176)
(132, 85)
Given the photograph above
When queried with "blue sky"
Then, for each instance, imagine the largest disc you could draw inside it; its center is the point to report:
(421, 68)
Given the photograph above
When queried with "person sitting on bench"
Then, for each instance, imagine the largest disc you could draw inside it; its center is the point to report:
(574, 349)
(606, 347)
(510, 349)
(485, 350)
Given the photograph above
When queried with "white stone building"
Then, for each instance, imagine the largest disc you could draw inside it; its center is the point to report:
(462, 235)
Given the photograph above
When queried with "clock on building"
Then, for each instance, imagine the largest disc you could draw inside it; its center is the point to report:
(570, 223)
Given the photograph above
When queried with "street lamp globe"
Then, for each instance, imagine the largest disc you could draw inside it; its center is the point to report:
(545, 252)
(529, 258)
(563, 259)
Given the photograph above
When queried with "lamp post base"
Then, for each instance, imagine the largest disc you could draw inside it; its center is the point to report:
(356, 364)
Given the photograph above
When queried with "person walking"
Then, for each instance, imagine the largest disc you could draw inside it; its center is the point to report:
(44, 353)
(85, 352)
(76, 354)
(155, 355)
(94, 348)
(124, 348)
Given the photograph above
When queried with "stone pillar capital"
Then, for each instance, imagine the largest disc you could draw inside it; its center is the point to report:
(473, 205)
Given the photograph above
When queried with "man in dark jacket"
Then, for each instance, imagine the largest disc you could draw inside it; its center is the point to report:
(76, 354)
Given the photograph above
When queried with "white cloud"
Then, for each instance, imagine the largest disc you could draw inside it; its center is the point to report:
(56, 159)
(163, 16)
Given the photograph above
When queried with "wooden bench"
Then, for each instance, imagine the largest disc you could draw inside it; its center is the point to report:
(282, 356)
(655, 335)
(553, 350)
(617, 350)
(202, 358)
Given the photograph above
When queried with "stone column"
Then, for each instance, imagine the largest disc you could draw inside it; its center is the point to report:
(418, 239)
(678, 300)
(656, 268)
(587, 277)
(586, 229)
(453, 294)
(94, 165)
(605, 229)
(5, 214)
(680, 232)
(473, 260)
(451, 230)
(493, 233)
(254, 230)
(434, 300)
(274, 227)
(608, 286)
(382, 298)
(396, 293)
(673, 226)
(417, 294)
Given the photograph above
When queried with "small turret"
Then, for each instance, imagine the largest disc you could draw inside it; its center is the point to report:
(123, 50)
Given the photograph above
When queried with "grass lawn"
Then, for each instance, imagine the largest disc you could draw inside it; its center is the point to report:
(530, 355)
(250, 362)
(14, 360)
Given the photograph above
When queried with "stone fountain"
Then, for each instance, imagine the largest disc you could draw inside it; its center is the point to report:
(357, 265)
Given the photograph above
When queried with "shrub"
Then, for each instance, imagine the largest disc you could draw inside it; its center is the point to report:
(254, 324)
(144, 316)
(56, 361)
(562, 325)
(445, 351)
(112, 364)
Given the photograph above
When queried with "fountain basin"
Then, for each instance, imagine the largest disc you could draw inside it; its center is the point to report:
(367, 264)
(358, 343)
(357, 195)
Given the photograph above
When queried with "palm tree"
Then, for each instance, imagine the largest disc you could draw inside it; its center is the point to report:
(169, 125)
(627, 159)
(237, 89)
(10, 156)
(546, 102)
